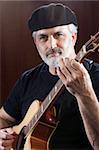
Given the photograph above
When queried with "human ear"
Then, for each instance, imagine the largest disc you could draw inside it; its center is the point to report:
(74, 38)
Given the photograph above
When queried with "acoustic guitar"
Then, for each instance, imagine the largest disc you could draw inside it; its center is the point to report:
(32, 125)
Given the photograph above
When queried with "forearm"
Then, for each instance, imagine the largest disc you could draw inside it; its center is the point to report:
(5, 123)
(92, 134)
(5, 119)
(89, 109)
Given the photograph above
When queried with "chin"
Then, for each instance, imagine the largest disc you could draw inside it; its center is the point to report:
(52, 64)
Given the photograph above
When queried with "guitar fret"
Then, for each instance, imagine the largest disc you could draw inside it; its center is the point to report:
(35, 116)
(32, 122)
(49, 98)
(42, 107)
(29, 125)
(55, 88)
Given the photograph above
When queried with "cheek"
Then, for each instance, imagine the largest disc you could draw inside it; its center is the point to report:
(68, 48)
(61, 44)
(39, 47)
(64, 42)
(41, 51)
(68, 43)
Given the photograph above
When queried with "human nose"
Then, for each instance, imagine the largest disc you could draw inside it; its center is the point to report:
(52, 42)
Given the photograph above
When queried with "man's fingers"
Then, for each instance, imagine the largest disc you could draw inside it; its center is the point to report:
(6, 143)
(7, 137)
(3, 134)
(6, 148)
(10, 130)
(1, 147)
(6, 134)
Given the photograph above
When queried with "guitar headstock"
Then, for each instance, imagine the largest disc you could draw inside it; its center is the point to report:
(90, 47)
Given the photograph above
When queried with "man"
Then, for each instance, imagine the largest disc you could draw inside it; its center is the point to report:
(54, 31)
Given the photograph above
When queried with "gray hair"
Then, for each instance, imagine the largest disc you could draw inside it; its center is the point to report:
(72, 28)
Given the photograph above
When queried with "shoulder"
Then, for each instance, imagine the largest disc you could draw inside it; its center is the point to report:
(34, 72)
(93, 69)
(91, 66)
(27, 78)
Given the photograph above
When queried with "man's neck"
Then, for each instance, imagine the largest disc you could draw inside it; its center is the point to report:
(52, 70)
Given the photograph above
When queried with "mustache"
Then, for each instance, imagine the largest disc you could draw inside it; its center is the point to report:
(54, 50)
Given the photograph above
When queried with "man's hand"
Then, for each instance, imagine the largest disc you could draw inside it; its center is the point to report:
(74, 76)
(7, 137)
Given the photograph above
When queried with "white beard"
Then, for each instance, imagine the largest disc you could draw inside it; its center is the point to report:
(53, 62)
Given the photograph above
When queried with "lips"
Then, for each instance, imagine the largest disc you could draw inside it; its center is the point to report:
(53, 55)
(54, 52)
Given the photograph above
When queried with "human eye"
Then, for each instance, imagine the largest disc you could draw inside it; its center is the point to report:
(43, 37)
(59, 35)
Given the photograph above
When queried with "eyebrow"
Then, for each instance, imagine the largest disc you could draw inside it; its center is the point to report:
(45, 34)
(42, 34)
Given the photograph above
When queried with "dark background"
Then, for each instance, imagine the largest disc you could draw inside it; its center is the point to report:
(17, 50)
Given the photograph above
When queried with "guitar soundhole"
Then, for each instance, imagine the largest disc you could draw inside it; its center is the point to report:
(51, 116)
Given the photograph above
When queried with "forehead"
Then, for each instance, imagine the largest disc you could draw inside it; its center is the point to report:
(53, 30)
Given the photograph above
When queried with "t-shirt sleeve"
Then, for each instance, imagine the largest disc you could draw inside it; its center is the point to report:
(12, 104)
(95, 78)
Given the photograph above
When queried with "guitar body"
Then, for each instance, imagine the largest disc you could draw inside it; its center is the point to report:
(38, 137)
(41, 136)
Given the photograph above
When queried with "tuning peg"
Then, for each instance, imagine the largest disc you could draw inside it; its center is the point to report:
(94, 44)
(92, 37)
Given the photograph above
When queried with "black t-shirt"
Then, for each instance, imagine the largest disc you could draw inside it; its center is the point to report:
(35, 84)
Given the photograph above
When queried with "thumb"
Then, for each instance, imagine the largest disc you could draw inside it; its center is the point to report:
(9, 130)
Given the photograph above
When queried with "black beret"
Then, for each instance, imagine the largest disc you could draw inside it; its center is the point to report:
(52, 15)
